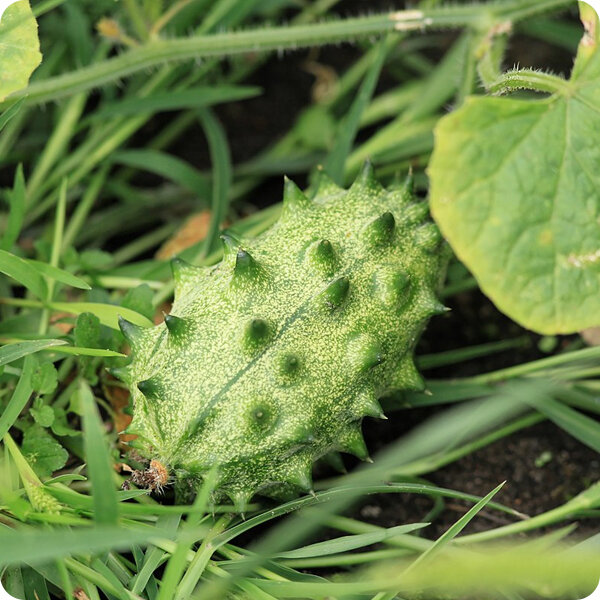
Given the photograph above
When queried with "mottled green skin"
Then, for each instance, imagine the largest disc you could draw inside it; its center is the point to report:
(281, 349)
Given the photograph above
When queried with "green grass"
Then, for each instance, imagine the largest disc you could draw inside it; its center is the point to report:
(95, 182)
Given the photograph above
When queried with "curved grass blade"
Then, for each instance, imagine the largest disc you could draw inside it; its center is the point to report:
(165, 165)
(350, 542)
(222, 175)
(19, 398)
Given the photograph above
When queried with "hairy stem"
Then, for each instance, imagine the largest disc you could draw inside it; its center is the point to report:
(160, 51)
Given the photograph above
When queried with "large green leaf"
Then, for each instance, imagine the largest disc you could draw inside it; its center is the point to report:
(515, 188)
(19, 47)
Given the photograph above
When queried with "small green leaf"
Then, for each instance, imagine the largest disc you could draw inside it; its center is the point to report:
(60, 426)
(87, 330)
(42, 451)
(44, 379)
(514, 189)
(316, 128)
(19, 47)
(42, 414)
(95, 260)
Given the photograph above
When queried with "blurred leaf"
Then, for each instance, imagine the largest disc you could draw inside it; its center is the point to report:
(194, 97)
(24, 273)
(44, 379)
(59, 274)
(19, 47)
(95, 260)
(35, 585)
(10, 112)
(140, 300)
(99, 464)
(167, 166)
(580, 426)
(348, 127)
(315, 128)
(35, 547)
(220, 158)
(16, 203)
(42, 414)
(351, 542)
(12, 352)
(60, 426)
(42, 451)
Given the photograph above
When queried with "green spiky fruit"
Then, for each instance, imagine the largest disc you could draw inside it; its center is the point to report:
(271, 359)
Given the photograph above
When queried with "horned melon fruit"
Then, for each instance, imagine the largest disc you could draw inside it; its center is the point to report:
(270, 359)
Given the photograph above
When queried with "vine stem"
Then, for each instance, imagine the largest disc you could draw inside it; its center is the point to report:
(156, 52)
(529, 79)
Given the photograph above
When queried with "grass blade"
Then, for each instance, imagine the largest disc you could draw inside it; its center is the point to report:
(10, 112)
(12, 352)
(334, 164)
(350, 542)
(455, 529)
(165, 165)
(34, 547)
(79, 351)
(107, 313)
(24, 273)
(192, 98)
(580, 426)
(16, 199)
(59, 274)
(222, 175)
(106, 510)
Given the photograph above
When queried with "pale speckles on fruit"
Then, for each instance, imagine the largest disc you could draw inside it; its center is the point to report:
(322, 257)
(335, 293)
(381, 230)
(257, 334)
(289, 342)
(365, 352)
(392, 287)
